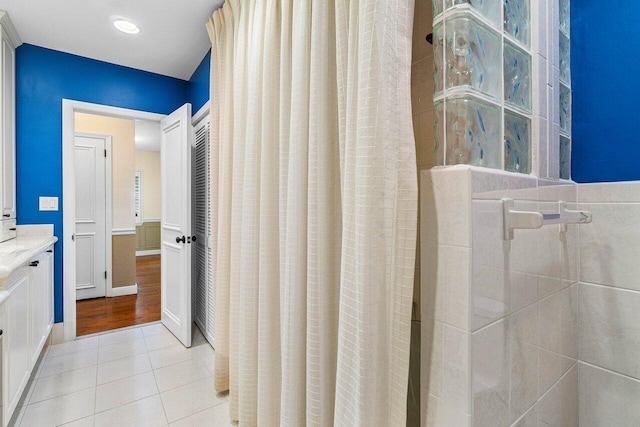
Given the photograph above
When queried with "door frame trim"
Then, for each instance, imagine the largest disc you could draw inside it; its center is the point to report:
(108, 197)
(69, 108)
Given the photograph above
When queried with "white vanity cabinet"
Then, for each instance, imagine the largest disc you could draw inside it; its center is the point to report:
(17, 360)
(41, 304)
(28, 319)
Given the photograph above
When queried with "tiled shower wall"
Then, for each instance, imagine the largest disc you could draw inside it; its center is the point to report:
(609, 305)
(499, 328)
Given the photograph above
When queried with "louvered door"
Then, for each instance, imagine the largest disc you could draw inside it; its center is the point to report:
(203, 274)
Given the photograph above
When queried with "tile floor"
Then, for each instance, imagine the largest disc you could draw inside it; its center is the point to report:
(141, 376)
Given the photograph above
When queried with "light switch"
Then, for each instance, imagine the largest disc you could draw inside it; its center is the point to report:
(48, 203)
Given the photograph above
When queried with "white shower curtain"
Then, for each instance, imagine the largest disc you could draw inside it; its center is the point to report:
(314, 204)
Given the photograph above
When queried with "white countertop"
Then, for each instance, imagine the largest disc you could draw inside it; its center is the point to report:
(16, 252)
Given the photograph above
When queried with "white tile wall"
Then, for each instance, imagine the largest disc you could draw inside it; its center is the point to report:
(517, 355)
(559, 407)
(607, 398)
(609, 305)
(490, 368)
(610, 245)
(610, 328)
(445, 204)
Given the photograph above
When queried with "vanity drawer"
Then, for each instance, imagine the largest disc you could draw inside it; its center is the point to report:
(7, 230)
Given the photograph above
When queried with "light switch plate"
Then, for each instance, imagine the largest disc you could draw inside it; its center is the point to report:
(48, 203)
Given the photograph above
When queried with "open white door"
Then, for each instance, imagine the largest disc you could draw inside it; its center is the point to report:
(175, 162)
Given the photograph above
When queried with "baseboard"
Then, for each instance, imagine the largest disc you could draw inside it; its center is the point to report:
(57, 334)
(149, 252)
(124, 290)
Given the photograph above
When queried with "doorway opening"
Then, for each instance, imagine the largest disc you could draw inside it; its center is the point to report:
(103, 192)
(118, 210)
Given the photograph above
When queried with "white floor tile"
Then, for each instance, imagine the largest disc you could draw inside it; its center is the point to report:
(110, 352)
(190, 399)
(73, 346)
(218, 416)
(64, 383)
(181, 374)
(204, 349)
(84, 422)
(68, 362)
(145, 412)
(161, 340)
(210, 363)
(120, 336)
(122, 368)
(125, 391)
(171, 355)
(153, 329)
(60, 410)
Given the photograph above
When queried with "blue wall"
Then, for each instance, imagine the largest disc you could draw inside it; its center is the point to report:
(43, 78)
(605, 67)
(199, 84)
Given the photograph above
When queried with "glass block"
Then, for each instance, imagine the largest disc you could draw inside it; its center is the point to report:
(565, 158)
(565, 59)
(565, 16)
(490, 9)
(517, 143)
(472, 56)
(517, 20)
(438, 7)
(565, 109)
(517, 77)
(438, 60)
(473, 132)
(438, 133)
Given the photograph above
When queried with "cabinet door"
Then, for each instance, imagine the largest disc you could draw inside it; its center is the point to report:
(48, 290)
(17, 339)
(39, 277)
(8, 129)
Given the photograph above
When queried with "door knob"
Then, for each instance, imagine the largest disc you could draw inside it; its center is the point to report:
(193, 238)
(181, 239)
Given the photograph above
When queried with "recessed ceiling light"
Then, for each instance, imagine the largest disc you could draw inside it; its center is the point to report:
(126, 26)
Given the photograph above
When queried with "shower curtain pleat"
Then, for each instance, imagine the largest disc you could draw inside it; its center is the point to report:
(325, 220)
(269, 362)
(316, 205)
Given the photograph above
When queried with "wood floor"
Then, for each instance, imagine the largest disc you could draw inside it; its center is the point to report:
(103, 314)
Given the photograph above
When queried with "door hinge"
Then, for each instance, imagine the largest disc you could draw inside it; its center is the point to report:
(105, 274)
(105, 152)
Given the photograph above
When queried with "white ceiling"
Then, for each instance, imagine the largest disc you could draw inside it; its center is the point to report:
(172, 39)
(147, 135)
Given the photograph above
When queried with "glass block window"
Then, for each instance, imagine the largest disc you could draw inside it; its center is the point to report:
(517, 135)
(483, 75)
(565, 89)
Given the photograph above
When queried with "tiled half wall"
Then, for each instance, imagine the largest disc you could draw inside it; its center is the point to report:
(542, 330)
(499, 328)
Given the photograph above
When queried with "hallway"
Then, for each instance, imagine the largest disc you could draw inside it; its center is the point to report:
(104, 314)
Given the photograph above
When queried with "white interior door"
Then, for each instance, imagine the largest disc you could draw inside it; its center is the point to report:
(175, 154)
(91, 233)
